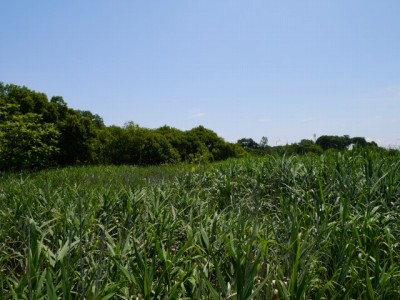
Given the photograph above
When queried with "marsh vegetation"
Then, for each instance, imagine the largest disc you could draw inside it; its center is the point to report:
(298, 227)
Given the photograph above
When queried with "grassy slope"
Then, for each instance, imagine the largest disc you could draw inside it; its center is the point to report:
(321, 227)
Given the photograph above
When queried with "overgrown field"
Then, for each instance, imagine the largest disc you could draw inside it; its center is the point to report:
(301, 227)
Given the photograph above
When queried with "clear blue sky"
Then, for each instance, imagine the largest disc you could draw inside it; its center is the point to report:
(282, 69)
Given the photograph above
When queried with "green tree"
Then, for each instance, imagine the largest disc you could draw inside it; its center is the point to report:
(155, 149)
(27, 143)
(95, 118)
(186, 143)
(264, 142)
(208, 138)
(359, 141)
(333, 142)
(308, 146)
(224, 150)
(115, 147)
(82, 136)
(60, 107)
(248, 143)
(78, 139)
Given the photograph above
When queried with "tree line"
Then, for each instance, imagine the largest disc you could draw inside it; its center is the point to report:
(324, 142)
(37, 132)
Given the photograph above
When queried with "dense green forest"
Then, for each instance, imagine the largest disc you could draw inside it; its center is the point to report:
(36, 133)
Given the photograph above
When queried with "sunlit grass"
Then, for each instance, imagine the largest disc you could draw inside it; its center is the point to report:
(301, 227)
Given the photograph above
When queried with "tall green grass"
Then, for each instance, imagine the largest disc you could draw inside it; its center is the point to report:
(299, 227)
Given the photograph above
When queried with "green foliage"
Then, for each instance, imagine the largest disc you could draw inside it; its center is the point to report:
(248, 143)
(188, 145)
(335, 142)
(264, 142)
(26, 143)
(78, 138)
(152, 148)
(217, 148)
(115, 145)
(341, 142)
(50, 133)
(308, 146)
(82, 138)
(276, 227)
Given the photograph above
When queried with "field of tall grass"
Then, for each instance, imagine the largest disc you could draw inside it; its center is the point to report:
(298, 227)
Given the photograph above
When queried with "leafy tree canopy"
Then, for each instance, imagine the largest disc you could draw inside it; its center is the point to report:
(36, 132)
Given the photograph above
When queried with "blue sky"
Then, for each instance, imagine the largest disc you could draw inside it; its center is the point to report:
(282, 69)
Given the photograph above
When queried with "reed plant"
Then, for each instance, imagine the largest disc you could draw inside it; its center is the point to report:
(274, 227)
